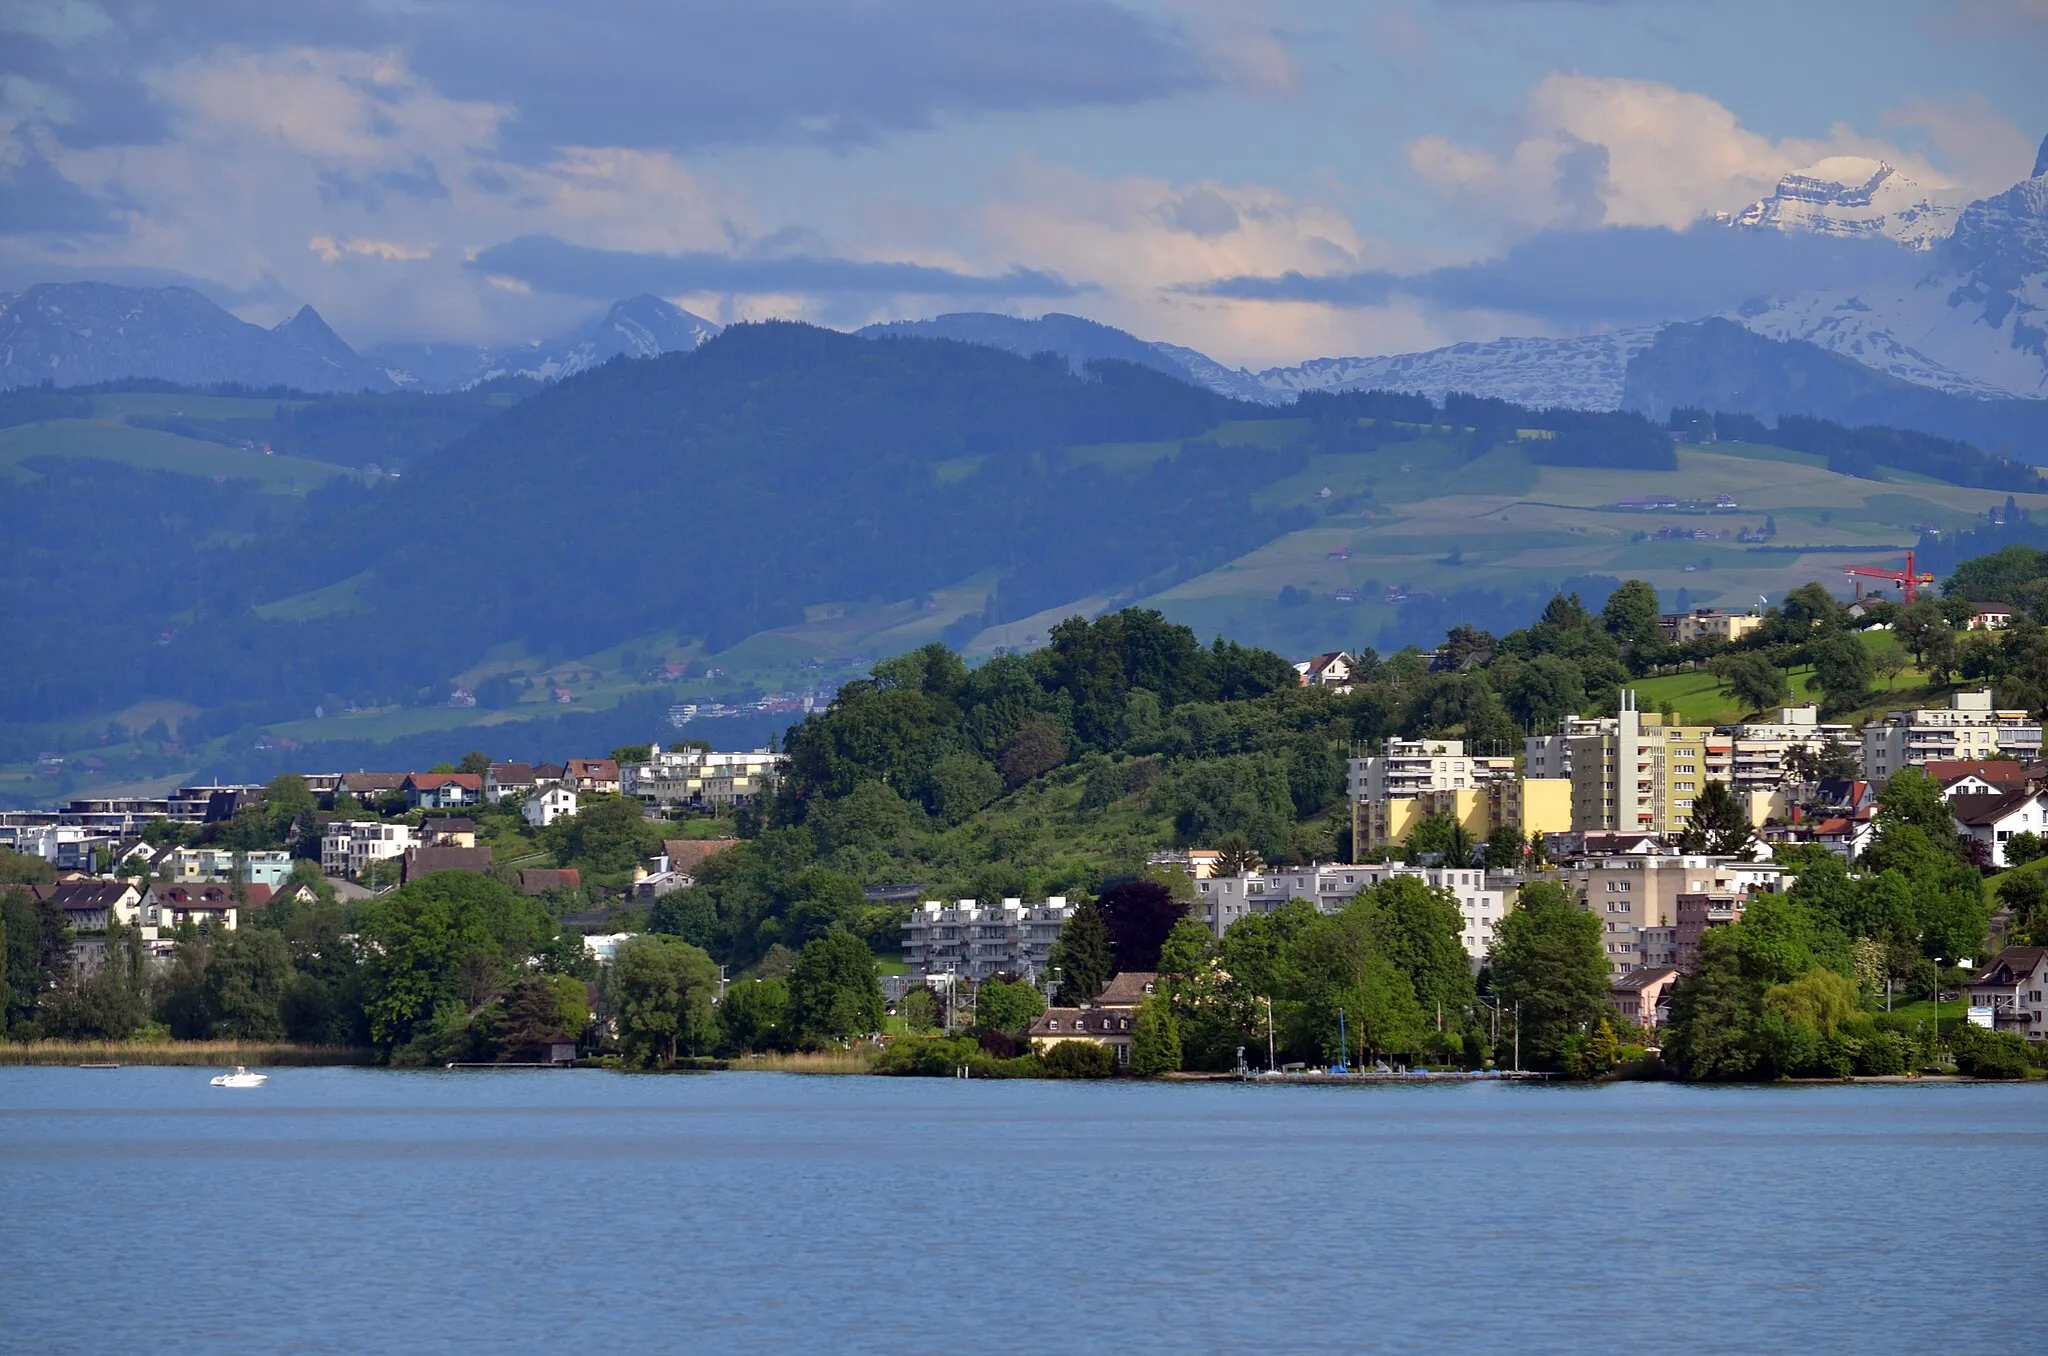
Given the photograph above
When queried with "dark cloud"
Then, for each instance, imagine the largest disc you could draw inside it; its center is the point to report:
(1621, 275)
(1203, 212)
(671, 74)
(36, 198)
(421, 181)
(551, 265)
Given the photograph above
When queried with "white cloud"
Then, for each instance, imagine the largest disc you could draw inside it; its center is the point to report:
(332, 250)
(1597, 151)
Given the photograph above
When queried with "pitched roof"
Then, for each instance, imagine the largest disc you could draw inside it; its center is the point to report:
(512, 774)
(89, 896)
(448, 824)
(1998, 771)
(200, 897)
(421, 860)
(434, 781)
(1635, 981)
(2011, 966)
(686, 854)
(356, 783)
(1095, 1021)
(533, 880)
(547, 772)
(597, 769)
(1128, 989)
(1984, 810)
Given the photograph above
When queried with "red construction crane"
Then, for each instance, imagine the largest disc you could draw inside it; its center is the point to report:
(1909, 580)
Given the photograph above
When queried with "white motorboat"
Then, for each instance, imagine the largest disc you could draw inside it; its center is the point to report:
(240, 1078)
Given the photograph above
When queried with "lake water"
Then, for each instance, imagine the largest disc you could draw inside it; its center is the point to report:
(369, 1211)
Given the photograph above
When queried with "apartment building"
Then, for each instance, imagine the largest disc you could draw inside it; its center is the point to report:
(1412, 779)
(1408, 767)
(1631, 771)
(980, 941)
(1636, 897)
(193, 864)
(699, 778)
(1764, 748)
(1968, 727)
(1708, 623)
(1483, 898)
(350, 845)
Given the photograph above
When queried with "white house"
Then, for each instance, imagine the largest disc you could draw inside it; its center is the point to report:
(350, 845)
(545, 807)
(1992, 820)
(2007, 995)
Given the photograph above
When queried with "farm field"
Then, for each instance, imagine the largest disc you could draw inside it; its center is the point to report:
(110, 440)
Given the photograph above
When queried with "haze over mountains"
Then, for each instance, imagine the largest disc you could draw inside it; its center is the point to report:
(1967, 322)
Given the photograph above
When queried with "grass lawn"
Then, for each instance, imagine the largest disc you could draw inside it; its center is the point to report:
(151, 450)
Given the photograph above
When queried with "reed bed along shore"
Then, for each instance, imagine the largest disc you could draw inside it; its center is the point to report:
(805, 1061)
(193, 1053)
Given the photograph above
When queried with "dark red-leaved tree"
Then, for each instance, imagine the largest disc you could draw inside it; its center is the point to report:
(1139, 914)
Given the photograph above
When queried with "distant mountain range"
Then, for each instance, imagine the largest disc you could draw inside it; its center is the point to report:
(1974, 326)
(75, 334)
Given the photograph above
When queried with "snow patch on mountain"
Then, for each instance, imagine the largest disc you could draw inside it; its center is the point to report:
(638, 327)
(1586, 372)
(1854, 196)
(1977, 324)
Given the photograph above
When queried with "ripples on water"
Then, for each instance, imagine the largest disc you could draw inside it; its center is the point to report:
(369, 1211)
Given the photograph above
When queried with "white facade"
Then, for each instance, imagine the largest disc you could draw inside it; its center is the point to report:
(1763, 746)
(687, 776)
(2002, 816)
(1222, 900)
(350, 845)
(1409, 767)
(978, 941)
(1968, 727)
(545, 807)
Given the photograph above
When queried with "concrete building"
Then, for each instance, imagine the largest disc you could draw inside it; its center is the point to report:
(1408, 767)
(1631, 771)
(191, 865)
(1636, 897)
(1969, 727)
(700, 779)
(1529, 804)
(979, 941)
(1707, 623)
(1482, 898)
(350, 845)
(1764, 748)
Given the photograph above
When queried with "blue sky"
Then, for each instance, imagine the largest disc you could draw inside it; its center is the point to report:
(1267, 180)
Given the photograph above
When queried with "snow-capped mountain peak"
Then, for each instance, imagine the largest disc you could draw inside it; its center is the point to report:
(1854, 196)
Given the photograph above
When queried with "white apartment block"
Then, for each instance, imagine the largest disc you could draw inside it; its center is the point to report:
(1762, 747)
(1968, 727)
(350, 845)
(979, 941)
(1222, 900)
(1410, 767)
(687, 776)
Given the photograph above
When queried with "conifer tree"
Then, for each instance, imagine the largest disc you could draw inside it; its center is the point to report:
(1082, 955)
